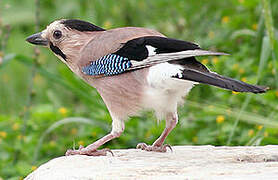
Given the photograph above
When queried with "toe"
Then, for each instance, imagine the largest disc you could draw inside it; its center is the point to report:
(102, 152)
(154, 148)
(72, 152)
(89, 152)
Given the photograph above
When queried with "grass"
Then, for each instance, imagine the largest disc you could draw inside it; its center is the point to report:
(45, 109)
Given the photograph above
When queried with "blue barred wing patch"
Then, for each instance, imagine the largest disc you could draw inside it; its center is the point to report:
(108, 65)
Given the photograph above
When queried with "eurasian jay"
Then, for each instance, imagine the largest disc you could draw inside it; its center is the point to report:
(133, 69)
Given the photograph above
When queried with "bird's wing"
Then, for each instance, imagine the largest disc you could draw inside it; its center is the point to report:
(151, 50)
(144, 52)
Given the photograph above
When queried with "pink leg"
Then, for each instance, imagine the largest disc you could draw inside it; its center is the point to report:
(171, 122)
(91, 150)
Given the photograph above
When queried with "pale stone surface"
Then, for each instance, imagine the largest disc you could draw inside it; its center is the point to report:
(185, 162)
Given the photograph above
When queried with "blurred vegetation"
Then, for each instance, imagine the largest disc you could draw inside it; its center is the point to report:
(45, 109)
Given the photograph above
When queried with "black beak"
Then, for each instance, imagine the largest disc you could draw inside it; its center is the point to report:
(37, 39)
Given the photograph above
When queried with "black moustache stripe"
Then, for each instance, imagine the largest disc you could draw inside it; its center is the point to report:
(57, 51)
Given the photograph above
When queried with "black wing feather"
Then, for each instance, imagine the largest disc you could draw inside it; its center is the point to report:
(135, 49)
(217, 80)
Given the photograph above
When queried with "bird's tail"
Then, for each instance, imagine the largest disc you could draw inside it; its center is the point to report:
(215, 79)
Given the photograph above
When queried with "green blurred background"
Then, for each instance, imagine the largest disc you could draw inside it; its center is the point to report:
(45, 109)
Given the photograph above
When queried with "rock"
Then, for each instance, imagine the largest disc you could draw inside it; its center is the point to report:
(185, 162)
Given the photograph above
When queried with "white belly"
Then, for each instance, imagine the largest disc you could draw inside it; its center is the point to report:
(164, 93)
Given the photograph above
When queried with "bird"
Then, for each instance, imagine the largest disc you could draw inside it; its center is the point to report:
(133, 69)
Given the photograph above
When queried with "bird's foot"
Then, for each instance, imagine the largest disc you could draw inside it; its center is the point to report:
(88, 152)
(162, 148)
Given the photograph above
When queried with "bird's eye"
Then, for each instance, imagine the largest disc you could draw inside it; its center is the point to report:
(57, 34)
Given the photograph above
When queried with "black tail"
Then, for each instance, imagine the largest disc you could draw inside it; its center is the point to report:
(220, 81)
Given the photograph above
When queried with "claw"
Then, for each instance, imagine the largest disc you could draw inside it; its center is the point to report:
(167, 146)
(80, 147)
(142, 146)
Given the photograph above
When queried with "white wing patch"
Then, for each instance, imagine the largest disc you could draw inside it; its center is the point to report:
(151, 50)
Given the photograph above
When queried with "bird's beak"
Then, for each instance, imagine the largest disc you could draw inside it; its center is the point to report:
(37, 39)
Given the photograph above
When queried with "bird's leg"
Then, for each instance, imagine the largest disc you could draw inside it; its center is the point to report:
(171, 122)
(91, 150)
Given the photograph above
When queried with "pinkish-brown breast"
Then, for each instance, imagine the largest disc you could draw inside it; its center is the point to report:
(122, 93)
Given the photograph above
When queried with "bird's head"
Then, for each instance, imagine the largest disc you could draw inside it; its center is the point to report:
(65, 37)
